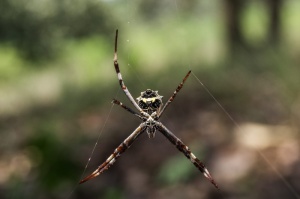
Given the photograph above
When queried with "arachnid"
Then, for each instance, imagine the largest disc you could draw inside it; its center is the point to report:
(150, 108)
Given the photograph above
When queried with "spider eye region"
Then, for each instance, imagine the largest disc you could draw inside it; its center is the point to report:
(149, 100)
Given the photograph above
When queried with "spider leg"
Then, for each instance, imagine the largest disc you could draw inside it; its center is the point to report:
(186, 151)
(117, 102)
(174, 94)
(118, 151)
(122, 84)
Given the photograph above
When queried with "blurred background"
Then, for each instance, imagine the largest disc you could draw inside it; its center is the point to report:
(57, 81)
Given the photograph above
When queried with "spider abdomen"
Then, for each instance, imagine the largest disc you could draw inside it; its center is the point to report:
(150, 101)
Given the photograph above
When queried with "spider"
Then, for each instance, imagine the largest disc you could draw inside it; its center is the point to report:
(150, 108)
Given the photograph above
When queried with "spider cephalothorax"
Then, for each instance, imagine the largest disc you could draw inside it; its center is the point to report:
(150, 109)
(149, 101)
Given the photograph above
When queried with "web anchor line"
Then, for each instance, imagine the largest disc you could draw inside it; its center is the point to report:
(93, 150)
(268, 162)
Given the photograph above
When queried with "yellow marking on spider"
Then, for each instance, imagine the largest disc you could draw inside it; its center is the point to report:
(152, 99)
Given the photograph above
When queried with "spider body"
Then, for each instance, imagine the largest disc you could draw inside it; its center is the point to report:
(151, 127)
(149, 101)
(150, 109)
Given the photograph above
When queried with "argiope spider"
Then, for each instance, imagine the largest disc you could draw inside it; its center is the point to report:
(150, 108)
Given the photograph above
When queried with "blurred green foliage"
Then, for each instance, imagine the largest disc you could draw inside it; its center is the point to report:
(37, 28)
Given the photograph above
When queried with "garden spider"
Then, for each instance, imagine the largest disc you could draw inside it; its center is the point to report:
(150, 108)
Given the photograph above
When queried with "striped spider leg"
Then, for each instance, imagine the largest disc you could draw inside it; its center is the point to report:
(179, 87)
(118, 151)
(117, 102)
(150, 107)
(122, 84)
(186, 151)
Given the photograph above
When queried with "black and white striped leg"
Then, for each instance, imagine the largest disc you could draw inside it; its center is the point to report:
(118, 151)
(187, 152)
(117, 102)
(122, 84)
(175, 93)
